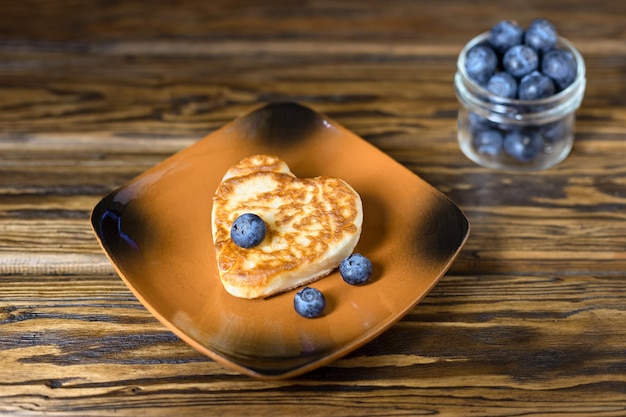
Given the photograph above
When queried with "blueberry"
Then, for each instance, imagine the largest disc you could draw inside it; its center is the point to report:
(541, 35)
(355, 269)
(502, 84)
(523, 145)
(248, 230)
(488, 142)
(520, 60)
(535, 86)
(560, 65)
(505, 35)
(553, 132)
(309, 302)
(481, 62)
(478, 122)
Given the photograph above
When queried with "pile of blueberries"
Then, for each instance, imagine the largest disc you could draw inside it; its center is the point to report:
(519, 64)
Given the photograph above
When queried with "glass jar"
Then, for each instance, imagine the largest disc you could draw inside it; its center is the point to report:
(543, 129)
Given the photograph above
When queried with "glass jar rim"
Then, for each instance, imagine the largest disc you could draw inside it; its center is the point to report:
(473, 94)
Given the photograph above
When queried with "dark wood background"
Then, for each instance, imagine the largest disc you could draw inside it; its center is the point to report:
(528, 321)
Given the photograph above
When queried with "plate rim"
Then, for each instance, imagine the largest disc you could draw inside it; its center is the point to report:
(334, 354)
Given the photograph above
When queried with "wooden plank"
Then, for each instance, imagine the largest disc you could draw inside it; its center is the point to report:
(528, 321)
(488, 345)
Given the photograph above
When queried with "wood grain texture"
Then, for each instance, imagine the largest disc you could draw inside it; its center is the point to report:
(529, 319)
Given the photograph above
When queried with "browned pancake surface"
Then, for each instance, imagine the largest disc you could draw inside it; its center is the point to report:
(310, 223)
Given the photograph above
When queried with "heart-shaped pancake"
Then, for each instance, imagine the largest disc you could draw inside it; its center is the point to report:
(312, 225)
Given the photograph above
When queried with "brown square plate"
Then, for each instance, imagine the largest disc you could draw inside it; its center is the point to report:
(156, 230)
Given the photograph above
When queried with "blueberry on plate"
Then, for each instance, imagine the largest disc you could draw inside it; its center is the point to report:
(248, 230)
(488, 142)
(523, 145)
(309, 302)
(481, 62)
(520, 60)
(502, 84)
(535, 86)
(541, 35)
(560, 65)
(505, 35)
(356, 269)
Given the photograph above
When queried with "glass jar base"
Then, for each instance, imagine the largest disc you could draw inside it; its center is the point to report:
(513, 147)
(547, 159)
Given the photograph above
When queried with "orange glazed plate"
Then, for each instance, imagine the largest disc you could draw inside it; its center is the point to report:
(156, 231)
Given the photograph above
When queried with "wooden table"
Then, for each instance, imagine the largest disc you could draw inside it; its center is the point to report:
(528, 321)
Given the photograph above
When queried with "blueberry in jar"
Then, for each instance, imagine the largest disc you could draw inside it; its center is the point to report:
(478, 122)
(309, 302)
(523, 145)
(488, 142)
(356, 269)
(560, 65)
(481, 63)
(520, 60)
(502, 84)
(553, 132)
(541, 35)
(535, 86)
(505, 35)
(248, 230)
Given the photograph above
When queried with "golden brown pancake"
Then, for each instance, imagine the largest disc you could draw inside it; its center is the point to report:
(312, 225)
